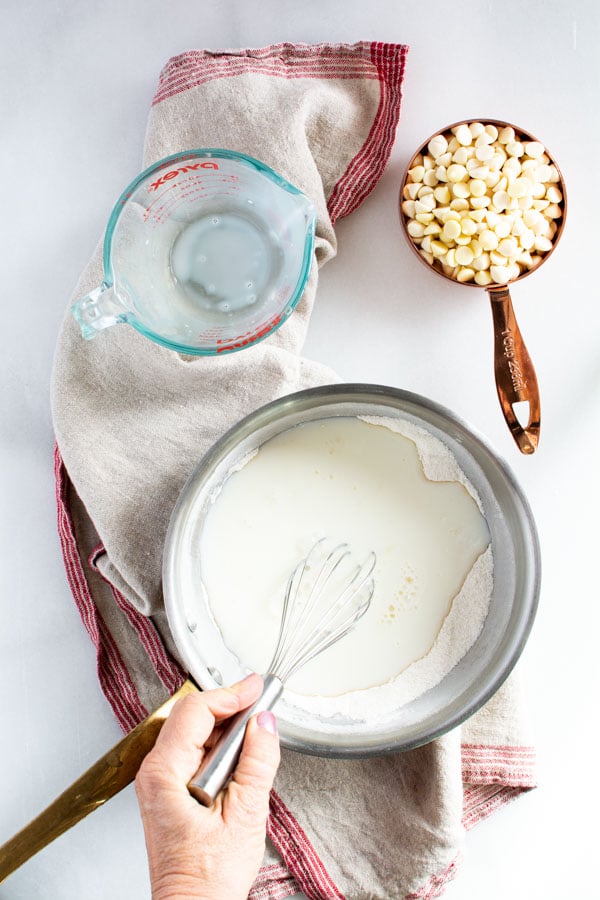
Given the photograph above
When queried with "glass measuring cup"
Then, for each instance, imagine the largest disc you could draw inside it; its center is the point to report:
(206, 252)
(516, 381)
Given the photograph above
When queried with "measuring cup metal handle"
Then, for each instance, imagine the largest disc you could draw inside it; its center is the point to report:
(515, 376)
(97, 310)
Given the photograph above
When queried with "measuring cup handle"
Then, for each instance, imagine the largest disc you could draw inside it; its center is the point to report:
(515, 376)
(97, 310)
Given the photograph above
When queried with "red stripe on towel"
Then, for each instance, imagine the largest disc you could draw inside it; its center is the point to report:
(273, 883)
(492, 776)
(114, 678)
(298, 854)
(366, 168)
(508, 766)
(196, 67)
(167, 669)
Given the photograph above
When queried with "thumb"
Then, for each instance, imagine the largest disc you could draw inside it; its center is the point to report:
(247, 795)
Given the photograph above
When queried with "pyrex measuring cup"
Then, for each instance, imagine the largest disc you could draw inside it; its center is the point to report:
(515, 376)
(206, 252)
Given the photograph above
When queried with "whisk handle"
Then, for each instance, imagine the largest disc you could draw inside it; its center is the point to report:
(220, 761)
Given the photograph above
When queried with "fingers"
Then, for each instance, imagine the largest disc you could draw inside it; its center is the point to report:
(247, 796)
(178, 749)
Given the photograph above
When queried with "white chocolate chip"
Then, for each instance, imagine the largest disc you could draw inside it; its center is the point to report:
(515, 148)
(468, 226)
(461, 156)
(481, 262)
(463, 135)
(456, 173)
(527, 239)
(411, 189)
(508, 247)
(520, 187)
(477, 187)
(425, 203)
(500, 274)
(437, 145)
(512, 167)
(491, 179)
(542, 243)
(451, 230)
(415, 229)
(438, 248)
(476, 128)
(442, 194)
(464, 255)
(480, 202)
(533, 149)
(500, 200)
(484, 153)
(506, 135)
(416, 173)
(488, 240)
(461, 190)
(484, 139)
(553, 194)
(483, 278)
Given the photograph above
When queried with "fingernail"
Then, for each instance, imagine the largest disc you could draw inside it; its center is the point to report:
(267, 720)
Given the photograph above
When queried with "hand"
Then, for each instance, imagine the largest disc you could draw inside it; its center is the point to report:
(193, 851)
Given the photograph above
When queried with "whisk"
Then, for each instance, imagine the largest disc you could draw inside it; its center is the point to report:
(324, 599)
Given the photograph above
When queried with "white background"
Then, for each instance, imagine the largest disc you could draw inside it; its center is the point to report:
(77, 80)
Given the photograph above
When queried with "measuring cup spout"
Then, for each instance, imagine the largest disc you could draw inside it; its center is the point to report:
(97, 310)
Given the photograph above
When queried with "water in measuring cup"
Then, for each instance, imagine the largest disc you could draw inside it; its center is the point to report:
(226, 262)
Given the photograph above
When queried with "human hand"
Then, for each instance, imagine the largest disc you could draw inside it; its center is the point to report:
(193, 851)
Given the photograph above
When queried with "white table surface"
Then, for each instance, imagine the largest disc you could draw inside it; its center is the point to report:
(76, 83)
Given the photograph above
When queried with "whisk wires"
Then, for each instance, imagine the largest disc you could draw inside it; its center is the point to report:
(324, 598)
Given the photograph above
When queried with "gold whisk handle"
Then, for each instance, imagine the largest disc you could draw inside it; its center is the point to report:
(110, 774)
(220, 761)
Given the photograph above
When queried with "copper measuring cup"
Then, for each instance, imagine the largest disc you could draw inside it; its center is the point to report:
(515, 376)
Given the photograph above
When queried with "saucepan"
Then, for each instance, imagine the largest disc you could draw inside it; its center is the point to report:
(512, 604)
(468, 686)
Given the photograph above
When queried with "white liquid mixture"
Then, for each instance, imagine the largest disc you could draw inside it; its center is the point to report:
(360, 482)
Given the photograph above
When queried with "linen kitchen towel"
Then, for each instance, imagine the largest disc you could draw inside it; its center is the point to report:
(132, 419)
